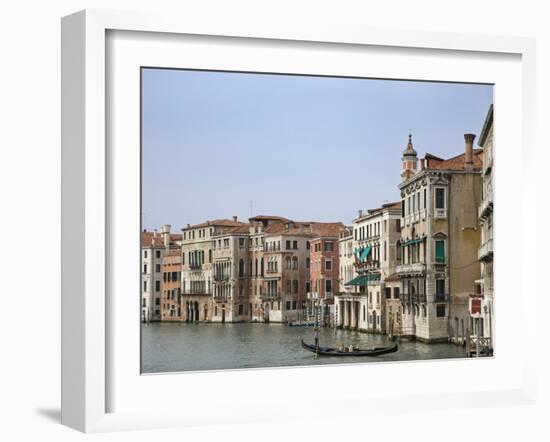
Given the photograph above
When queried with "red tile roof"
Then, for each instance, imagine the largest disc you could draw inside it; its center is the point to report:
(454, 163)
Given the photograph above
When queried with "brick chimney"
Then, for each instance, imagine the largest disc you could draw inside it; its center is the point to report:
(469, 152)
(422, 163)
(235, 218)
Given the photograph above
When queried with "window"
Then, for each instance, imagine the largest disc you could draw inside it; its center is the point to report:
(287, 245)
(414, 204)
(158, 253)
(157, 301)
(241, 243)
(328, 265)
(439, 198)
(157, 286)
(295, 286)
(418, 200)
(157, 268)
(329, 247)
(440, 310)
(288, 263)
(210, 256)
(388, 292)
(293, 305)
(328, 285)
(295, 245)
(144, 286)
(143, 303)
(145, 253)
(308, 245)
(398, 225)
(288, 305)
(287, 286)
(440, 290)
(241, 268)
(402, 209)
(145, 268)
(440, 251)
(396, 293)
(425, 198)
(385, 252)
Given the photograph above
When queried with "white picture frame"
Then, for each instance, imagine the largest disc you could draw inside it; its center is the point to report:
(87, 353)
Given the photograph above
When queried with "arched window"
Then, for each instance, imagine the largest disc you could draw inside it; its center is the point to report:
(288, 263)
(363, 313)
(295, 262)
(210, 256)
(295, 286)
(262, 267)
(241, 268)
(256, 266)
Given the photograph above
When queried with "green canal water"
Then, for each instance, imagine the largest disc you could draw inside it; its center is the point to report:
(169, 347)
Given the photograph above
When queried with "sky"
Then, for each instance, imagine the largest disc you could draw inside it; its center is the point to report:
(218, 144)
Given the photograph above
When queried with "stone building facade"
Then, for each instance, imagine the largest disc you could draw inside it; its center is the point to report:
(197, 259)
(482, 308)
(439, 241)
(324, 273)
(171, 286)
(375, 238)
(154, 245)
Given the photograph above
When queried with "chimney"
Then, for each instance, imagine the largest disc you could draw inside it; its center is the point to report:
(359, 213)
(188, 225)
(421, 163)
(234, 218)
(469, 152)
(166, 235)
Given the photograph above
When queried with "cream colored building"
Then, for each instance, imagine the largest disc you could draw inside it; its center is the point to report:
(374, 243)
(484, 310)
(439, 241)
(197, 258)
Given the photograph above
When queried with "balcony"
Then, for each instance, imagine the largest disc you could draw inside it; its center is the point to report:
(418, 298)
(417, 267)
(270, 296)
(486, 207)
(195, 266)
(485, 251)
(195, 292)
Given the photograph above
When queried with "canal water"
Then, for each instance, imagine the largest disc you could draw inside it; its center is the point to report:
(169, 347)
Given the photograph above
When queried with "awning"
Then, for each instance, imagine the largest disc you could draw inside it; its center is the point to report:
(364, 253)
(363, 280)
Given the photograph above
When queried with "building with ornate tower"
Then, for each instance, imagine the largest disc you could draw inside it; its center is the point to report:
(439, 241)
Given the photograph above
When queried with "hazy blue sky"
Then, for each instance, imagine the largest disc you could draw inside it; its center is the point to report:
(307, 148)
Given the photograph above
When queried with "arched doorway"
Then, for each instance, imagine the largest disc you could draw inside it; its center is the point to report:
(223, 313)
(250, 312)
(196, 312)
(266, 312)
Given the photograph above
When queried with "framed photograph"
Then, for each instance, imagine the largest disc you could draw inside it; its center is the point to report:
(253, 213)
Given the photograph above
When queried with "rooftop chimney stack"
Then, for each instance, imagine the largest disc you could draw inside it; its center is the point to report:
(359, 213)
(422, 163)
(234, 218)
(469, 152)
(166, 235)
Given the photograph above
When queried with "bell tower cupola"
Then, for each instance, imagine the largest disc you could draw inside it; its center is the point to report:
(409, 160)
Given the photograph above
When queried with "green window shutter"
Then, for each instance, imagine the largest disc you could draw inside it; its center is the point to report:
(439, 251)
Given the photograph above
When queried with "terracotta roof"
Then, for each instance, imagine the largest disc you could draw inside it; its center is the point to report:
(396, 205)
(148, 239)
(216, 223)
(454, 163)
(309, 229)
(268, 217)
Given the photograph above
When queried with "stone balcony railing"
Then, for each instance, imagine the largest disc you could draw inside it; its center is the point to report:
(441, 297)
(196, 291)
(270, 295)
(417, 267)
(486, 207)
(485, 251)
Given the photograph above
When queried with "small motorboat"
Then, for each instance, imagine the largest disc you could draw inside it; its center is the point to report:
(331, 351)
(301, 324)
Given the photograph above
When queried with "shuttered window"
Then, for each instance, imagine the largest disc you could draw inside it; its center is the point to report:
(440, 251)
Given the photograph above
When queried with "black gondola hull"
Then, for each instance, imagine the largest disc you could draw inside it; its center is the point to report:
(330, 351)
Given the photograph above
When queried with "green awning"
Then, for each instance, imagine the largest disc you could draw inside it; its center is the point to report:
(364, 253)
(363, 280)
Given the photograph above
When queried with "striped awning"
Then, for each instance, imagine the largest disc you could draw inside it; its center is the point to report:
(363, 280)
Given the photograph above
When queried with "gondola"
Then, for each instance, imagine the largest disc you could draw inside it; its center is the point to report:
(331, 351)
(301, 324)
